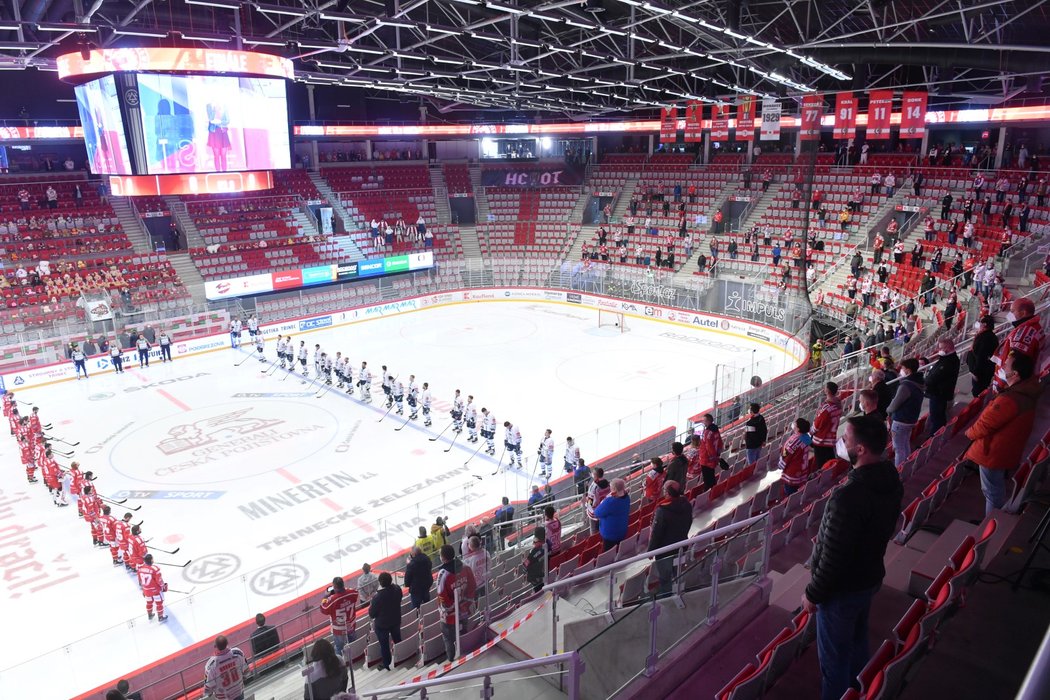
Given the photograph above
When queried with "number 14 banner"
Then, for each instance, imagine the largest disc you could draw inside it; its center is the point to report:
(845, 116)
(913, 115)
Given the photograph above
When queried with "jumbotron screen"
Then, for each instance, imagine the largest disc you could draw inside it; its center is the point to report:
(107, 146)
(213, 123)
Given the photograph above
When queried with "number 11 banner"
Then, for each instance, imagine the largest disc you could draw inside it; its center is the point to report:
(845, 116)
(913, 115)
(880, 107)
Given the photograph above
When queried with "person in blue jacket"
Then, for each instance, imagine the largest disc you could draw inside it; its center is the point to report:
(613, 513)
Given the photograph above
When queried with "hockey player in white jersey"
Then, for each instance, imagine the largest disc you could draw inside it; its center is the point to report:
(302, 356)
(235, 333)
(572, 455)
(398, 390)
(546, 454)
(457, 413)
(253, 326)
(470, 415)
(512, 441)
(318, 353)
(413, 397)
(425, 400)
(364, 380)
(282, 347)
(326, 368)
(488, 431)
(387, 381)
(259, 349)
(348, 375)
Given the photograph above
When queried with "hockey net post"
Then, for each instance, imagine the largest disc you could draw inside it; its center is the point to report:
(612, 319)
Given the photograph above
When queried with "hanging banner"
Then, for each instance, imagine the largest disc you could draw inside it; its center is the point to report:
(720, 123)
(770, 130)
(845, 116)
(880, 107)
(694, 118)
(745, 118)
(669, 125)
(913, 115)
(809, 120)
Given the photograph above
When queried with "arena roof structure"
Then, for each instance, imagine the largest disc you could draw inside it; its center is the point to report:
(582, 58)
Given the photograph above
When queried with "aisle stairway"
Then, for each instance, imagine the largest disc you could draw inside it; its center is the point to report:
(132, 224)
(624, 200)
(189, 274)
(437, 181)
(468, 236)
(185, 222)
(351, 223)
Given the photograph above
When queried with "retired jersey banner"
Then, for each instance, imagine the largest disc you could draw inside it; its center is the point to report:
(880, 107)
(770, 130)
(745, 118)
(812, 111)
(694, 119)
(669, 125)
(720, 123)
(913, 115)
(845, 115)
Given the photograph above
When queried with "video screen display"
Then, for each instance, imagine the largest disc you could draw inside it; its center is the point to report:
(211, 123)
(107, 147)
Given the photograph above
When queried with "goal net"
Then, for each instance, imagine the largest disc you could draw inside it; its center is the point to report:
(611, 319)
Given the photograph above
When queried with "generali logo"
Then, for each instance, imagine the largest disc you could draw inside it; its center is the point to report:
(207, 431)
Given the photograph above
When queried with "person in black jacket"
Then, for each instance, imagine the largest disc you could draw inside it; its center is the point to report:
(847, 563)
(755, 434)
(385, 611)
(326, 675)
(940, 383)
(264, 638)
(678, 466)
(877, 382)
(979, 359)
(671, 522)
(419, 577)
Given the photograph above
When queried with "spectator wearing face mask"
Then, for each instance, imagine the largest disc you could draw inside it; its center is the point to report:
(905, 408)
(979, 359)
(1026, 338)
(940, 384)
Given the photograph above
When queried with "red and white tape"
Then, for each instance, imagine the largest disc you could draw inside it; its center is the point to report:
(445, 668)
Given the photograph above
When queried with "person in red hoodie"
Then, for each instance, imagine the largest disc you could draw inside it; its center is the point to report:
(654, 480)
(794, 458)
(341, 606)
(453, 577)
(710, 448)
(1026, 338)
(826, 425)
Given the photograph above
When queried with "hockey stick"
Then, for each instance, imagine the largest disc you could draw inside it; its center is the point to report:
(158, 549)
(120, 503)
(24, 403)
(176, 590)
(60, 453)
(452, 444)
(179, 566)
(480, 445)
(58, 439)
(247, 357)
(500, 463)
(434, 439)
(272, 368)
(400, 427)
(388, 410)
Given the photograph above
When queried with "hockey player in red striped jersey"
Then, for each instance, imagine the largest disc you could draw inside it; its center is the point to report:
(92, 511)
(34, 421)
(123, 536)
(136, 549)
(27, 459)
(153, 587)
(109, 532)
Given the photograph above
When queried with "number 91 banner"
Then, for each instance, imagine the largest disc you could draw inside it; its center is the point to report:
(913, 115)
(845, 116)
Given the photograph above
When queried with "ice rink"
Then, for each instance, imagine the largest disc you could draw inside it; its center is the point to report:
(271, 489)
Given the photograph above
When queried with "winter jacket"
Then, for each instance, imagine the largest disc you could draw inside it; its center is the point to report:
(532, 564)
(612, 514)
(755, 432)
(654, 483)
(907, 402)
(826, 423)
(795, 461)
(942, 377)
(1001, 431)
(710, 447)
(886, 393)
(419, 575)
(859, 520)
(1026, 337)
(385, 608)
(671, 522)
(979, 361)
(676, 470)
(596, 493)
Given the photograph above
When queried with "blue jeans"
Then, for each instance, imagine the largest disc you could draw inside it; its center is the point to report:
(753, 453)
(842, 640)
(901, 435)
(993, 484)
(341, 640)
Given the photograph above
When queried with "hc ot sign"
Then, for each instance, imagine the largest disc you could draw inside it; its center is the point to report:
(524, 179)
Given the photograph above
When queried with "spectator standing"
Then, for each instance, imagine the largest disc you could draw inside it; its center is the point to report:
(905, 408)
(52, 197)
(419, 577)
(503, 516)
(477, 558)
(847, 563)
(552, 528)
(979, 359)
(794, 462)
(367, 583)
(710, 451)
(224, 671)
(1001, 432)
(755, 434)
(1026, 338)
(326, 675)
(264, 637)
(678, 469)
(671, 522)
(454, 580)
(826, 425)
(580, 476)
(596, 492)
(613, 513)
(341, 606)
(654, 480)
(940, 382)
(385, 611)
(533, 564)
(425, 542)
(869, 405)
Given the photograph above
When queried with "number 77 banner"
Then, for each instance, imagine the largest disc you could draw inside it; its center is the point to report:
(812, 111)
(880, 106)
(845, 115)
(913, 115)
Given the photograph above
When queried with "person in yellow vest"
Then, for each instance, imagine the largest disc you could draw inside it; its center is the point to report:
(816, 354)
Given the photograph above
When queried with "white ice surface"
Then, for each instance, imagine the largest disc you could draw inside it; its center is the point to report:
(537, 364)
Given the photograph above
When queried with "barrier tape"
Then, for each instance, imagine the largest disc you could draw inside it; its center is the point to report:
(446, 667)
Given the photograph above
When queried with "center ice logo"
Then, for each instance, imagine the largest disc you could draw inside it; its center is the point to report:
(208, 431)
